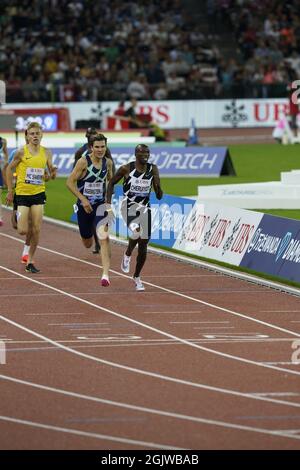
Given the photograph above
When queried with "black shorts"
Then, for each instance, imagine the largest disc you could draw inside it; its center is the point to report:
(1, 179)
(137, 216)
(32, 200)
(88, 222)
(15, 205)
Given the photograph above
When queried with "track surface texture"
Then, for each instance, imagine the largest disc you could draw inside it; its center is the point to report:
(199, 360)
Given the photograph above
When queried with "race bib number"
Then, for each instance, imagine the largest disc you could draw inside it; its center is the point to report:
(34, 176)
(93, 189)
(140, 187)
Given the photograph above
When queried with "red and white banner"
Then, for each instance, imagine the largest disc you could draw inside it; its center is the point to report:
(179, 114)
(218, 232)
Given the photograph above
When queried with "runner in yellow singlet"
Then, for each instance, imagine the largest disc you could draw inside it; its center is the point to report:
(30, 162)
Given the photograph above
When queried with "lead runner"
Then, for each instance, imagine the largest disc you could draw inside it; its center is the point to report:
(139, 176)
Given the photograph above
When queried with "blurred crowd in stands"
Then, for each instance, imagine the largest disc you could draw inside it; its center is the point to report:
(59, 50)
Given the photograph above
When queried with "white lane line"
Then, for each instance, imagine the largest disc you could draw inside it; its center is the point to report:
(87, 434)
(278, 394)
(77, 324)
(169, 341)
(215, 327)
(185, 275)
(164, 289)
(188, 322)
(52, 277)
(279, 311)
(142, 372)
(180, 312)
(290, 431)
(283, 363)
(143, 409)
(143, 325)
(52, 313)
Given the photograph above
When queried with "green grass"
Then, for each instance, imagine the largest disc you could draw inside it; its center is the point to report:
(253, 163)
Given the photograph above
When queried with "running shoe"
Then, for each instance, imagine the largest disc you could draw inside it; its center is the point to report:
(24, 259)
(125, 265)
(1, 222)
(139, 286)
(30, 268)
(105, 282)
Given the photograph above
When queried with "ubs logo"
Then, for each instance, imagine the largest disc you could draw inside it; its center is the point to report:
(234, 114)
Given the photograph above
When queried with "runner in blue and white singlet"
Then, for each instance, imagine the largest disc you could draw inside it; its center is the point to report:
(88, 183)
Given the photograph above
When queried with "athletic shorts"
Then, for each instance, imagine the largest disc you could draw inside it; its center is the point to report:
(88, 222)
(1, 178)
(137, 216)
(15, 205)
(32, 200)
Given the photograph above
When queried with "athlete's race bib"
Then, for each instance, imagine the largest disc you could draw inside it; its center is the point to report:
(140, 187)
(34, 176)
(93, 189)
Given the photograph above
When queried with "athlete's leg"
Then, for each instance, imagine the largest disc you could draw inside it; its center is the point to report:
(85, 225)
(87, 242)
(97, 246)
(141, 257)
(26, 246)
(145, 235)
(103, 235)
(36, 212)
(14, 219)
(22, 219)
(131, 245)
(29, 231)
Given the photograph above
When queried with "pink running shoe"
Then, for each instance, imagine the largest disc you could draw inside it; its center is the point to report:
(24, 259)
(105, 281)
(1, 222)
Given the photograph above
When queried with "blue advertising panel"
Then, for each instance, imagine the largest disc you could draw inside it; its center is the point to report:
(168, 217)
(183, 161)
(171, 161)
(63, 158)
(275, 248)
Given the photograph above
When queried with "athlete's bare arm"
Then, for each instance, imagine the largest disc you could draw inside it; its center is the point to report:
(78, 154)
(122, 172)
(50, 166)
(9, 174)
(110, 170)
(77, 173)
(156, 183)
(5, 159)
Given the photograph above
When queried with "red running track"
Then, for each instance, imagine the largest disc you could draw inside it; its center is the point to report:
(197, 361)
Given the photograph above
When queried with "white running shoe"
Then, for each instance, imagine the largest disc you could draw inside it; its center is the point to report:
(139, 286)
(125, 265)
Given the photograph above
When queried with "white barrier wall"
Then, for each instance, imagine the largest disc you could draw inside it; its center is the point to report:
(178, 114)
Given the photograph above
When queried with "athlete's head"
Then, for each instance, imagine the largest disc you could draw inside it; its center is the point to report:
(90, 133)
(142, 153)
(98, 145)
(33, 133)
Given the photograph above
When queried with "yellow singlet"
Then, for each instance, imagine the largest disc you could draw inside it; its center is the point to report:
(30, 173)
